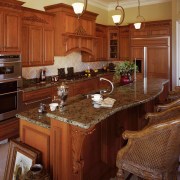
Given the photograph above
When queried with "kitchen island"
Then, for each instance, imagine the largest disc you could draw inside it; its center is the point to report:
(81, 142)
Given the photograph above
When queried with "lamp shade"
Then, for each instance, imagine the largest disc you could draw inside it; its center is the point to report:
(78, 7)
(137, 25)
(116, 19)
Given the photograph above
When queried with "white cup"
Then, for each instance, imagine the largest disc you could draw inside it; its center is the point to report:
(96, 97)
(53, 106)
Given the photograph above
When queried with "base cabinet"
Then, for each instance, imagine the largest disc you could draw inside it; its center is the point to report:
(70, 152)
(9, 128)
(37, 137)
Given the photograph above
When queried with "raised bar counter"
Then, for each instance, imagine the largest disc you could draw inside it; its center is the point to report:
(82, 141)
(126, 96)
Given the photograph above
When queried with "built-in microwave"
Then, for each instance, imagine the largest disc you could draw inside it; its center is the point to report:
(10, 67)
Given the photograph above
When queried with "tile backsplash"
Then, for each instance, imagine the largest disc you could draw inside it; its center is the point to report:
(71, 60)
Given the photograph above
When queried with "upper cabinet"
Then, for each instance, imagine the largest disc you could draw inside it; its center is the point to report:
(71, 33)
(37, 38)
(113, 43)
(101, 43)
(124, 43)
(119, 43)
(152, 29)
(10, 26)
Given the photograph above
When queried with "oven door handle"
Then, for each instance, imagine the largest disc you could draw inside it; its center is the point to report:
(32, 102)
(9, 62)
(12, 92)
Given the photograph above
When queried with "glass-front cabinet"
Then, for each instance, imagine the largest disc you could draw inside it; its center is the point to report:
(113, 44)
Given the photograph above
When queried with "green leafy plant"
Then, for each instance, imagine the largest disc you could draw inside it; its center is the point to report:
(125, 68)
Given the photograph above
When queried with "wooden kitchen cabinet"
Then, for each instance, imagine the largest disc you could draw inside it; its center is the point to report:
(9, 128)
(113, 43)
(28, 132)
(37, 39)
(10, 26)
(124, 43)
(101, 43)
(86, 86)
(137, 52)
(72, 34)
(152, 29)
(32, 99)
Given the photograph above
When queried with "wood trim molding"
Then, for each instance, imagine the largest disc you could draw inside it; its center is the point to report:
(11, 4)
(35, 18)
(78, 135)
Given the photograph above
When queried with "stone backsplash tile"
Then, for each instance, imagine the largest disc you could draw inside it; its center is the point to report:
(72, 60)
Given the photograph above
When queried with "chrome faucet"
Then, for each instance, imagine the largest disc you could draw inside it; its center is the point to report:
(112, 85)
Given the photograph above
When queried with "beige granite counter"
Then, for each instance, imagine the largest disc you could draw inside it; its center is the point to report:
(81, 112)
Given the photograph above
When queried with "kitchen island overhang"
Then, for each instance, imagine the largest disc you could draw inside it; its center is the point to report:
(71, 133)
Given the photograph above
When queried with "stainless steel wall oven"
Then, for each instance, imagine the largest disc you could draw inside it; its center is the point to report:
(10, 86)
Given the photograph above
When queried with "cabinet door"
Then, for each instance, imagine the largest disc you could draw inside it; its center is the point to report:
(25, 46)
(1, 32)
(113, 44)
(137, 52)
(158, 62)
(124, 48)
(36, 45)
(48, 46)
(98, 50)
(12, 31)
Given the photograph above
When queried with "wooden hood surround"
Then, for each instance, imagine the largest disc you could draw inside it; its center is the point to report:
(67, 24)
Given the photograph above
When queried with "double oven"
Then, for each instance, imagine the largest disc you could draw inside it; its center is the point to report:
(10, 85)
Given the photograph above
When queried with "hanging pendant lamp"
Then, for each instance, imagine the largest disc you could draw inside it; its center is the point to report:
(119, 17)
(139, 19)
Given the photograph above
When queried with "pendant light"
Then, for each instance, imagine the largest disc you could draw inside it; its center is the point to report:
(139, 19)
(119, 17)
(79, 8)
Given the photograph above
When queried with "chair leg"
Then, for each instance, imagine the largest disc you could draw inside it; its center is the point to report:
(120, 174)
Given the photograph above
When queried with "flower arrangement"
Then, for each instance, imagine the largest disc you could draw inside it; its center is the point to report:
(125, 69)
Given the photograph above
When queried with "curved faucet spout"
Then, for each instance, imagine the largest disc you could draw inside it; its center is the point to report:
(112, 85)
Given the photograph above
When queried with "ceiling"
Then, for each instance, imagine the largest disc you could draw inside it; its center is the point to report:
(110, 4)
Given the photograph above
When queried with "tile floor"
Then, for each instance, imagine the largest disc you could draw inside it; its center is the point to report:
(3, 156)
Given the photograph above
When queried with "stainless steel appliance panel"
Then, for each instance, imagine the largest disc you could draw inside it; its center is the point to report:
(10, 67)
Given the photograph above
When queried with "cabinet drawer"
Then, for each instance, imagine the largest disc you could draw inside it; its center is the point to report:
(38, 94)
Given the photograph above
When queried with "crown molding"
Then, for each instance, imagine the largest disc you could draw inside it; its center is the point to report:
(124, 3)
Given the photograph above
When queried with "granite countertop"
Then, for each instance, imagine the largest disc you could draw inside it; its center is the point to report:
(80, 112)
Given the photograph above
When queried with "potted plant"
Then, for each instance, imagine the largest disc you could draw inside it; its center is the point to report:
(124, 70)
